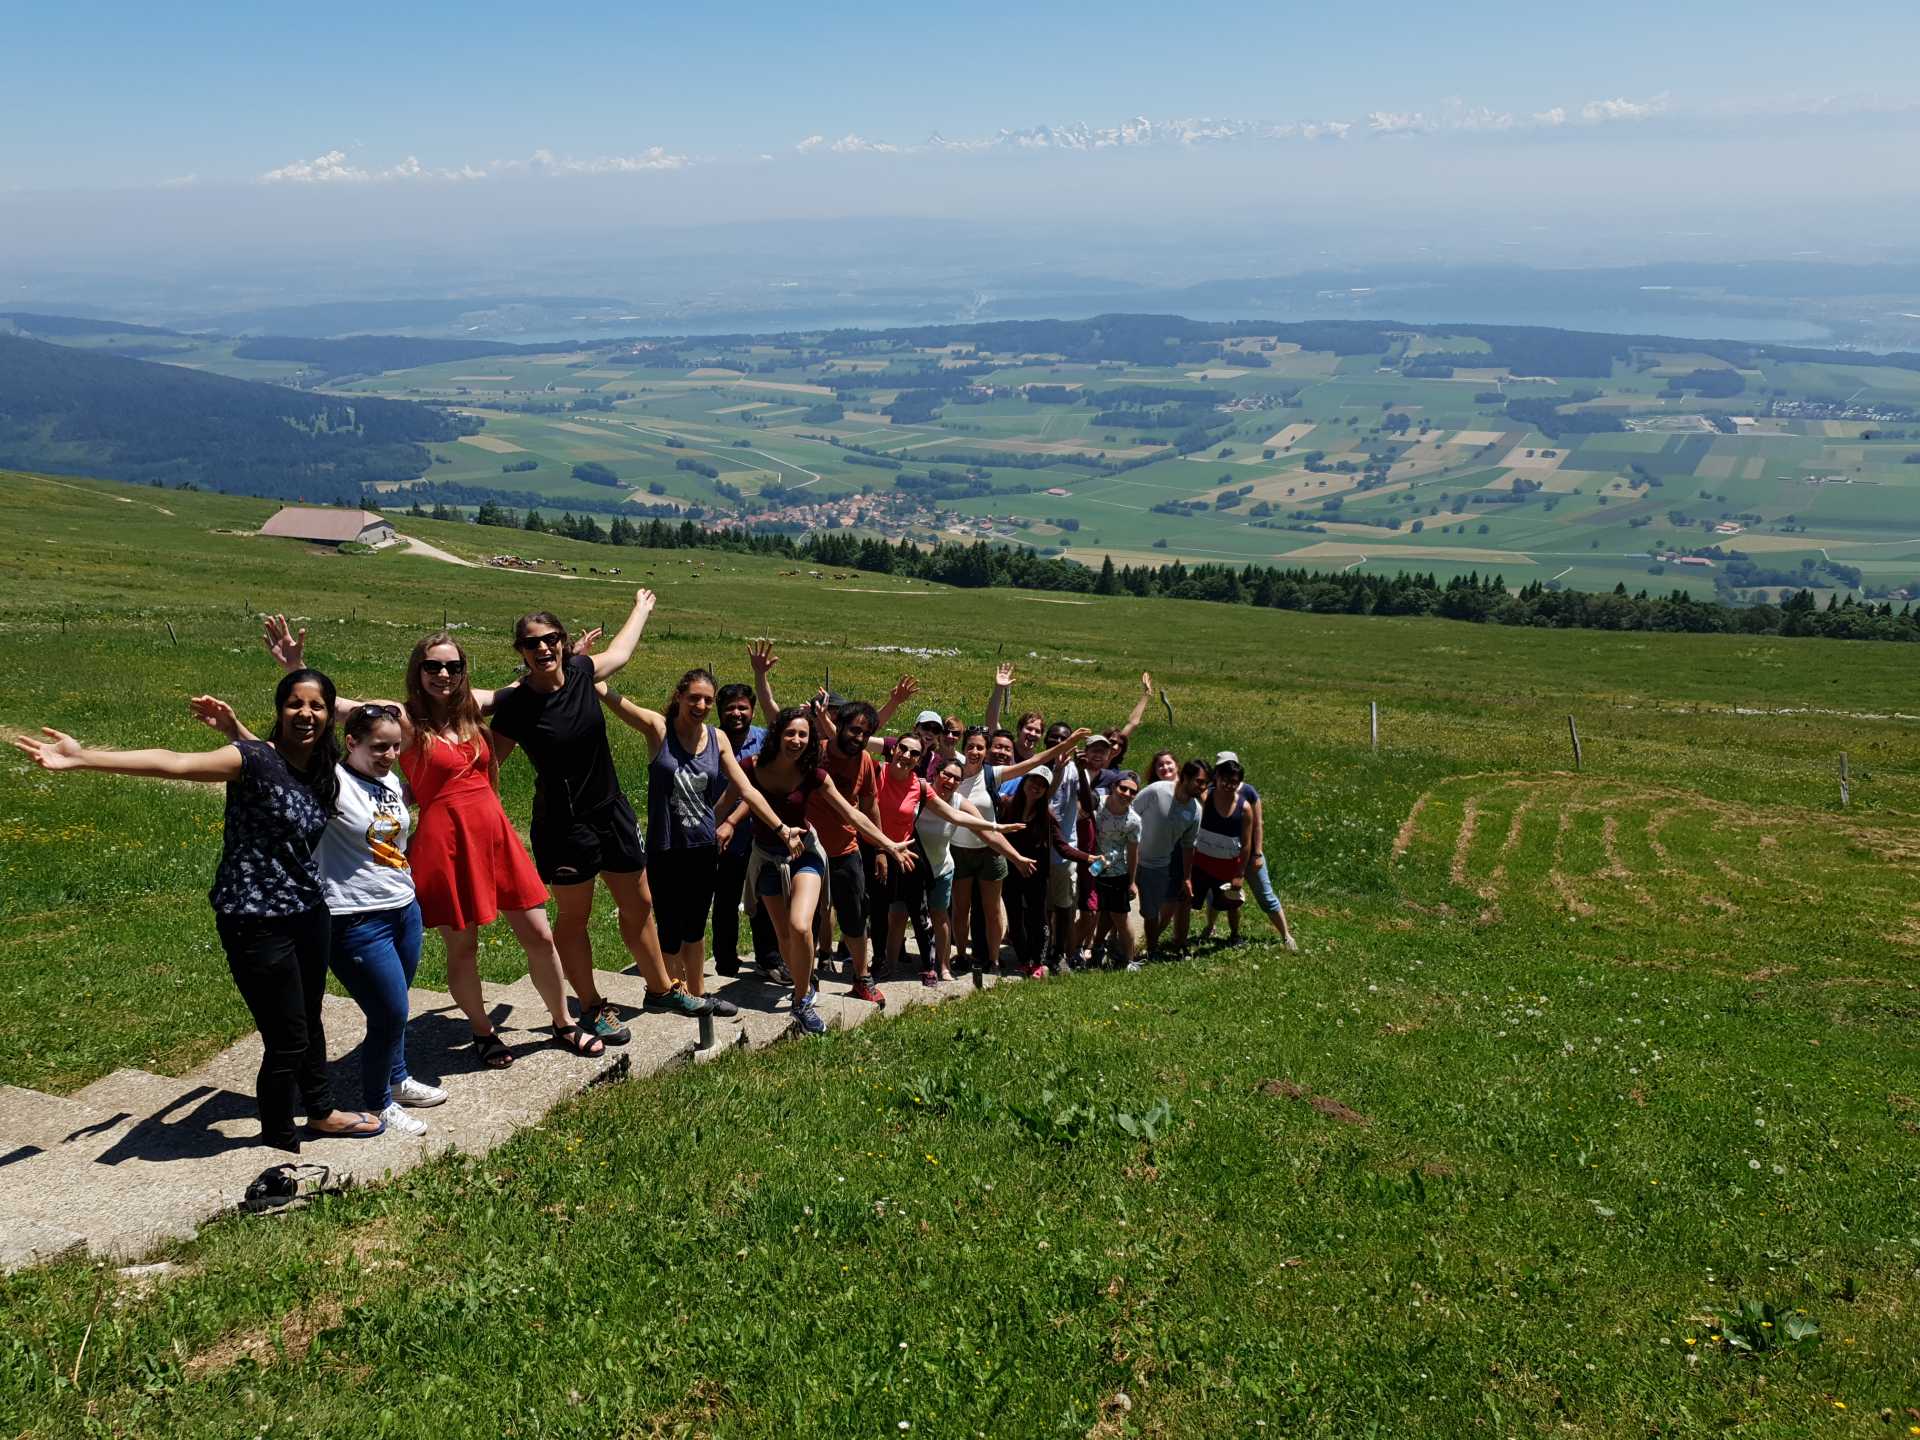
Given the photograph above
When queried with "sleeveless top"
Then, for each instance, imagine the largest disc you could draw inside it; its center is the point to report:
(448, 770)
(1219, 837)
(681, 790)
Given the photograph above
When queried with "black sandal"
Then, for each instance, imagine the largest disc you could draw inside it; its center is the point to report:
(492, 1050)
(580, 1041)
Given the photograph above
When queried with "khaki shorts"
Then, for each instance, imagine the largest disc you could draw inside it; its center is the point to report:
(978, 863)
(1060, 883)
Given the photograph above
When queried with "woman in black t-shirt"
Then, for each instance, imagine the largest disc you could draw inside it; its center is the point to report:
(266, 896)
(583, 828)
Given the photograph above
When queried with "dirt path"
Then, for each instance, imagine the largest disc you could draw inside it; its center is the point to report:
(434, 552)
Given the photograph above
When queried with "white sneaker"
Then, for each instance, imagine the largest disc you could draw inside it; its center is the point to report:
(400, 1120)
(418, 1095)
(1133, 967)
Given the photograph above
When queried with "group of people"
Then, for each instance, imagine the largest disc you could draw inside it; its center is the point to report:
(969, 836)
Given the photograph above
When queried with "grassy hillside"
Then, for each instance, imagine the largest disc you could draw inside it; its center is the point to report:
(86, 411)
(1630, 1046)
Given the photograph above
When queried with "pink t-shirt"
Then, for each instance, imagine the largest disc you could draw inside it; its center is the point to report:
(899, 802)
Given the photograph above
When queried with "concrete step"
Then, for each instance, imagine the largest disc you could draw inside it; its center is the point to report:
(30, 1242)
(46, 1121)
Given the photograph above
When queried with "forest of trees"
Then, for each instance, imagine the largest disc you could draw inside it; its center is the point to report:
(83, 412)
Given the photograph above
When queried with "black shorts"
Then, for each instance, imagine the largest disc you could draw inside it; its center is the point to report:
(682, 882)
(847, 878)
(1112, 897)
(574, 850)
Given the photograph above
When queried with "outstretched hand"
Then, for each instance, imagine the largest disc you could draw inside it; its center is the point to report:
(761, 657)
(904, 689)
(1146, 682)
(585, 643)
(1003, 674)
(61, 752)
(822, 714)
(644, 600)
(289, 651)
(215, 714)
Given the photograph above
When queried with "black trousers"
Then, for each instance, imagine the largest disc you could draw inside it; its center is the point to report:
(729, 879)
(280, 965)
(1026, 899)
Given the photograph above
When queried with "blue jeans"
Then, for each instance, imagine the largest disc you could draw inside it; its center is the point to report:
(1263, 885)
(374, 955)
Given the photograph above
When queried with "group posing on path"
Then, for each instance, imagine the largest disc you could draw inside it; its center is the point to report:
(972, 837)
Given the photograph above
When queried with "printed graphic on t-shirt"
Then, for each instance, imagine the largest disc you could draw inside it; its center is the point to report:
(689, 797)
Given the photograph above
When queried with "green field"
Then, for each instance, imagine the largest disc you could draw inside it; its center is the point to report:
(1815, 499)
(1601, 1056)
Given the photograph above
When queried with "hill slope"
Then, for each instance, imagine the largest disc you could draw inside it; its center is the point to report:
(87, 413)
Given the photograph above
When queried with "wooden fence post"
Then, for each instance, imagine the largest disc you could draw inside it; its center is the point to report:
(1845, 793)
(1573, 730)
(1373, 723)
(170, 635)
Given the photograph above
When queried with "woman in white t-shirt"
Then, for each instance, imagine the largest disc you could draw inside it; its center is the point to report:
(362, 859)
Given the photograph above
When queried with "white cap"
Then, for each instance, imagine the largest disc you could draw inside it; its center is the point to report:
(1098, 739)
(1226, 757)
(1041, 773)
(928, 717)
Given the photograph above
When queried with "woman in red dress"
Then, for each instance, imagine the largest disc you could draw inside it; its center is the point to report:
(469, 867)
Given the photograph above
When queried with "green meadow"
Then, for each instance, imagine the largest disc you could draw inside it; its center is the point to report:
(1591, 1106)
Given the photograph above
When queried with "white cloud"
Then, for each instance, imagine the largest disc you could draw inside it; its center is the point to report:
(338, 167)
(1551, 118)
(1599, 112)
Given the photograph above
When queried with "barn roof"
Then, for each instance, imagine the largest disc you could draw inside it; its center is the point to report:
(311, 522)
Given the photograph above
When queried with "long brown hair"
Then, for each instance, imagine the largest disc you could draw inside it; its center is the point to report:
(464, 710)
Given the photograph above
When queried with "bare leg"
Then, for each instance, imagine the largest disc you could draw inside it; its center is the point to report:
(530, 928)
(574, 904)
(943, 942)
(896, 936)
(690, 964)
(962, 915)
(792, 918)
(996, 922)
(635, 899)
(463, 974)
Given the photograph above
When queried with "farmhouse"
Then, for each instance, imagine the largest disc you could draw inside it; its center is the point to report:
(329, 527)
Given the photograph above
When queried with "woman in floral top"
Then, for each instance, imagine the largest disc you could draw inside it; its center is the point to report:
(267, 902)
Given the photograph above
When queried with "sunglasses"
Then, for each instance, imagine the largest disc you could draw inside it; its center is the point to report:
(444, 667)
(955, 734)
(382, 712)
(552, 640)
(1126, 789)
(903, 752)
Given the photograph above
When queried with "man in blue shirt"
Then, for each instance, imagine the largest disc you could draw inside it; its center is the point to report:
(735, 721)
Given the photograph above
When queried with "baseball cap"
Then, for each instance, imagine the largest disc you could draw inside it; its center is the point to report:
(1042, 773)
(1097, 739)
(928, 717)
(1226, 757)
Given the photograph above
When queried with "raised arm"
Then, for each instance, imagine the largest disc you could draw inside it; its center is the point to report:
(904, 689)
(996, 702)
(1137, 714)
(217, 714)
(1045, 757)
(620, 649)
(650, 723)
(62, 752)
(761, 657)
(288, 648)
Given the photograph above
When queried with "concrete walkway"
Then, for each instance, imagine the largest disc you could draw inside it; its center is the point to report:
(136, 1160)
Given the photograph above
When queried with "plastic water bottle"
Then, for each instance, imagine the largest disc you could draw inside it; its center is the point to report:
(1098, 867)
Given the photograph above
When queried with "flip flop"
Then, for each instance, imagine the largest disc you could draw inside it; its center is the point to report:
(353, 1132)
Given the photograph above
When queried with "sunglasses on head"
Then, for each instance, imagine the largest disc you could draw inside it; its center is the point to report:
(552, 640)
(444, 667)
(378, 712)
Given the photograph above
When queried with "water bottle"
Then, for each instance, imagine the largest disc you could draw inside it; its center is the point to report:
(1098, 867)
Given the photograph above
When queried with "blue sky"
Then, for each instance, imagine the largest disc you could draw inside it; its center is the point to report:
(105, 96)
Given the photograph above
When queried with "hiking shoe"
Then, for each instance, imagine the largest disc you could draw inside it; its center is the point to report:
(807, 1018)
(775, 971)
(675, 1001)
(724, 1009)
(729, 968)
(1062, 965)
(865, 989)
(1035, 972)
(1133, 967)
(398, 1119)
(599, 1020)
(930, 979)
(418, 1095)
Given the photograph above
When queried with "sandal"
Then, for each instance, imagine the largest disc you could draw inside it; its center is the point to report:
(581, 1042)
(355, 1131)
(492, 1050)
